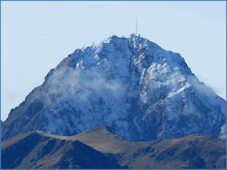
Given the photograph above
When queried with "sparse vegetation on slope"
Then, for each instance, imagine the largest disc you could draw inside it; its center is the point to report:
(99, 148)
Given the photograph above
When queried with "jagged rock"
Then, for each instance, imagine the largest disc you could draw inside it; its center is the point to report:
(140, 90)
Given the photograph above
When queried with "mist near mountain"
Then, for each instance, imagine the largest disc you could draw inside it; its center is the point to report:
(141, 91)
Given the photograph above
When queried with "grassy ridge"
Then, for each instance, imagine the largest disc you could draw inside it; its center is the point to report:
(99, 148)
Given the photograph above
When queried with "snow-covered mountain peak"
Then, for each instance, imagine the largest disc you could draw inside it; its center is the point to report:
(140, 90)
(135, 47)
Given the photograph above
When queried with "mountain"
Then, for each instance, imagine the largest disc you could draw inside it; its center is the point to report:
(141, 91)
(99, 148)
(33, 150)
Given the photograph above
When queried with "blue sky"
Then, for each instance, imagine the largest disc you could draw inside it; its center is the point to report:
(36, 36)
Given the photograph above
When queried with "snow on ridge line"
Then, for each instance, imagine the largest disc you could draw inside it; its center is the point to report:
(140, 90)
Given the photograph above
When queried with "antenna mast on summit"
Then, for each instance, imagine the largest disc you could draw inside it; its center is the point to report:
(136, 27)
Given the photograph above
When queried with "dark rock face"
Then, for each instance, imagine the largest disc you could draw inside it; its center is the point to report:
(141, 91)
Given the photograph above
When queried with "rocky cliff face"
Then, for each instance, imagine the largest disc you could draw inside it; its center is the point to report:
(140, 90)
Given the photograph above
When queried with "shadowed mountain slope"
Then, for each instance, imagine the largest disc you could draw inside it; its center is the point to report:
(34, 150)
(99, 148)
